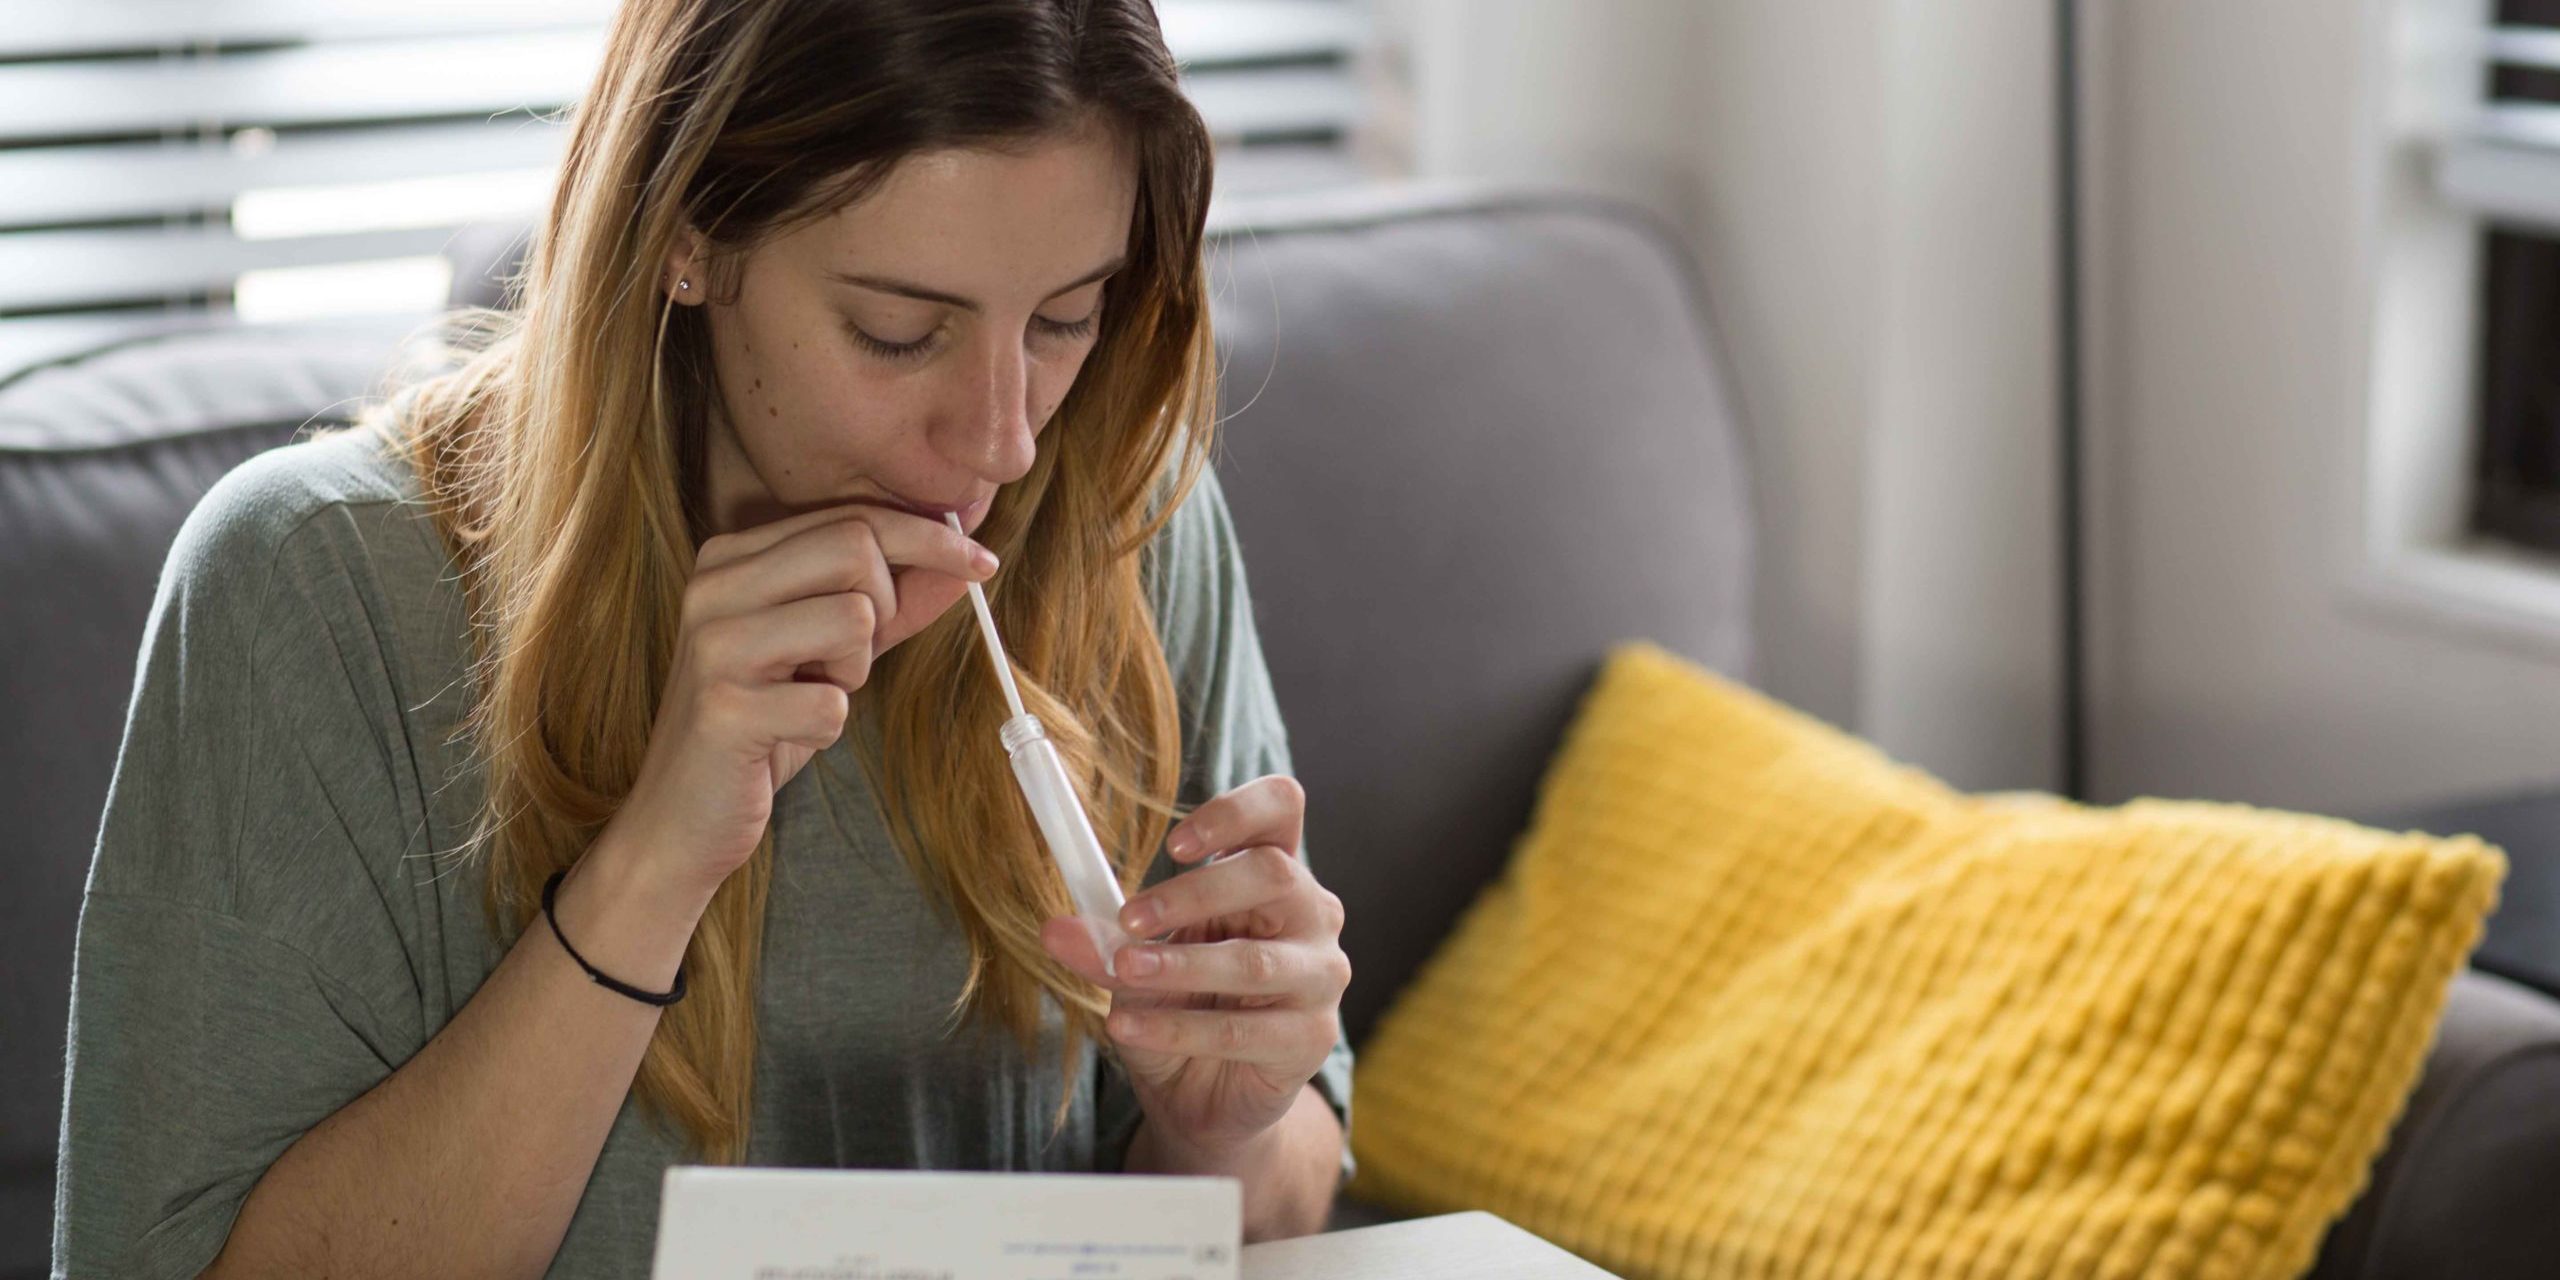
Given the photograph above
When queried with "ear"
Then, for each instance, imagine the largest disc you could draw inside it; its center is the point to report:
(682, 280)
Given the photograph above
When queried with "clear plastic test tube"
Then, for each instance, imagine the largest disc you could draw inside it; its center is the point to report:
(1042, 775)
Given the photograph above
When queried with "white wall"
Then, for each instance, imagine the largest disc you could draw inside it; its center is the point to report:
(1962, 640)
(1786, 154)
(2241, 160)
(1868, 185)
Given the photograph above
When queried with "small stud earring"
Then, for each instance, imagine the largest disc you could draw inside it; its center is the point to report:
(684, 284)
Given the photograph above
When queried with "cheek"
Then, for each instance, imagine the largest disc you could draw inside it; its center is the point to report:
(1050, 385)
(775, 382)
(750, 372)
(765, 405)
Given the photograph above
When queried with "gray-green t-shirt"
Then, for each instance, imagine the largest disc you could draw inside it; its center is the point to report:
(264, 935)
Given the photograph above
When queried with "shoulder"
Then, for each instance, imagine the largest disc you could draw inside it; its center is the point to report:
(266, 502)
(1206, 618)
(1195, 556)
(296, 517)
(265, 733)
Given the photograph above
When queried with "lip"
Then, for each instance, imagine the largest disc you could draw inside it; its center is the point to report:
(933, 511)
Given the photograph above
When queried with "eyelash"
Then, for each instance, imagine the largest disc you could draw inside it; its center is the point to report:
(891, 351)
(1073, 331)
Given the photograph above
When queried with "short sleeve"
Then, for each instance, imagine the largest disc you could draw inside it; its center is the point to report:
(238, 974)
(1232, 733)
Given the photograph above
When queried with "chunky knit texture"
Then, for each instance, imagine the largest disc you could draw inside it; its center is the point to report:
(1752, 1000)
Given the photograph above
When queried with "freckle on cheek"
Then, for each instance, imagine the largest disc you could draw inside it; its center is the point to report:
(772, 412)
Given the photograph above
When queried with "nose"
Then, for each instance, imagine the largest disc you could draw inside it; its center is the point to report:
(989, 427)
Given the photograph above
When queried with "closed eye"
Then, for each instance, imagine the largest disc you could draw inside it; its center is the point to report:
(1072, 330)
(896, 352)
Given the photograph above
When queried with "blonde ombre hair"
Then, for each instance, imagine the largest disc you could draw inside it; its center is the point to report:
(562, 460)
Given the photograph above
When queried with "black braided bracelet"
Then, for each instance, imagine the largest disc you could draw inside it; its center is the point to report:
(550, 891)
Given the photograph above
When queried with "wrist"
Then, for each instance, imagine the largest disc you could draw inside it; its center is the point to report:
(626, 916)
(1290, 1170)
(675, 879)
(1157, 1148)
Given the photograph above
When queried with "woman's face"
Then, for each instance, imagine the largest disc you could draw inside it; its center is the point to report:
(907, 349)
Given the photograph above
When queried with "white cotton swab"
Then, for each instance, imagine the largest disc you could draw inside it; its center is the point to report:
(987, 628)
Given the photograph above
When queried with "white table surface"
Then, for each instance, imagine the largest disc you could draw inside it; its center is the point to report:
(1475, 1246)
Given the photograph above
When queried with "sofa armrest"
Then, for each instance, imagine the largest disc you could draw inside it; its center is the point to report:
(2469, 1184)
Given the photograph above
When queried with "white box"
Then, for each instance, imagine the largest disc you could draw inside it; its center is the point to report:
(719, 1223)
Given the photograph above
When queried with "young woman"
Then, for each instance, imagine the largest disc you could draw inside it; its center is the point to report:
(647, 608)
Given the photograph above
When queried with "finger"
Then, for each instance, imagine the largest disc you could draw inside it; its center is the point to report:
(1271, 809)
(739, 544)
(858, 552)
(1265, 883)
(1066, 938)
(829, 637)
(909, 539)
(1294, 971)
(724, 548)
(850, 548)
(1285, 1039)
(924, 595)
(810, 715)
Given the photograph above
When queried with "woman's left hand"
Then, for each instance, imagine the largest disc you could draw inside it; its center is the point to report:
(1221, 1025)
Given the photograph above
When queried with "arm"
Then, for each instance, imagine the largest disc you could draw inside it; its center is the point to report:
(1288, 1172)
(471, 1157)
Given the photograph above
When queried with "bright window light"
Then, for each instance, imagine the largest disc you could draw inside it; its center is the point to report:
(274, 213)
(343, 288)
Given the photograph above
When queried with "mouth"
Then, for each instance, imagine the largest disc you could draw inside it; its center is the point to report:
(931, 511)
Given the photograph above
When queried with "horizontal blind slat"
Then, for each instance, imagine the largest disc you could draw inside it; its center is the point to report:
(1203, 32)
(445, 77)
(2504, 164)
(2524, 46)
(59, 28)
(43, 269)
(2520, 124)
(1287, 100)
(406, 80)
(2503, 183)
(1197, 31)
(106, 182)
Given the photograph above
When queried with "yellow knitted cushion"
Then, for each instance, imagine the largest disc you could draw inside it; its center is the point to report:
(1752, 1000)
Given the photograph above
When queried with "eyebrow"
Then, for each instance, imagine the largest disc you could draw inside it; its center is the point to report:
(885, 284)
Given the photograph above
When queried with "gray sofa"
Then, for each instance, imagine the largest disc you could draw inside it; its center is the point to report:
(1478, 437)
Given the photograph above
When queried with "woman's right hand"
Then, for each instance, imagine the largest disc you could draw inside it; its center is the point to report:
(781, 623)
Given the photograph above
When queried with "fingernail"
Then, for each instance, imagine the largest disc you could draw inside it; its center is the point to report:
(1183, 842)
(984, 559)
(1138, 963)
(1138, 920)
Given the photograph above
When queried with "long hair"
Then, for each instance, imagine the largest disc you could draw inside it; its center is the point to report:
(562, 460)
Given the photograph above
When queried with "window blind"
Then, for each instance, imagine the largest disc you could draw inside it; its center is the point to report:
(2506, 165)
(165, 163)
